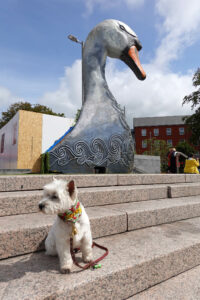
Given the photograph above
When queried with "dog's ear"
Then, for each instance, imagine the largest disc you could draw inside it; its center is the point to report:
(71, 187)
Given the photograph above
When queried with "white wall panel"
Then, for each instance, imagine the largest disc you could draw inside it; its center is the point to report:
(8, 159)
(53, 128)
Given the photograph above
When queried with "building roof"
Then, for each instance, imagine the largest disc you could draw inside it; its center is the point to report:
(158, 121)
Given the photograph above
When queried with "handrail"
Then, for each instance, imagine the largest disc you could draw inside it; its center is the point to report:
(181, 153)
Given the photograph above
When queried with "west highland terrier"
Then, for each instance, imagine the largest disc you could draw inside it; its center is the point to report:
(60, 198)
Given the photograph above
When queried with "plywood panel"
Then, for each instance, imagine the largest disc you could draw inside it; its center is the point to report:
(29, 140)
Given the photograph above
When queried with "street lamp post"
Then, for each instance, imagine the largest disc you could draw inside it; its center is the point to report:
(74, 39)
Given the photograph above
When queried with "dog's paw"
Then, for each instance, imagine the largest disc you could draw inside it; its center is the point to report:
(87, 258)
(65, 270)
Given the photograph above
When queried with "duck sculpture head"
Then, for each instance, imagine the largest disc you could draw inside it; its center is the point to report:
(120, 41)
(114, 39)
(101, 137)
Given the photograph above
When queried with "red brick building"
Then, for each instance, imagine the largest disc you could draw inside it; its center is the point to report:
(170, 129)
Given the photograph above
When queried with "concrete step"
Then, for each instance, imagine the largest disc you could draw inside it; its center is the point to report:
(192, 178)
(184, 190)
(36, 182)
(25, 233)
(131, 179)
(155, 212)
(137, 260)
(185, 286)
(22, 202)
(15, 203)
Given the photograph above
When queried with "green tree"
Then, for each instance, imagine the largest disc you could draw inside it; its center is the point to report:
(193, 121)
(13, 109)
(77, 116)
(185, 148)
(158, 148)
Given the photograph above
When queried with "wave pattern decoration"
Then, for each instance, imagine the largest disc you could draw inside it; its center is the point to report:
(98, 152)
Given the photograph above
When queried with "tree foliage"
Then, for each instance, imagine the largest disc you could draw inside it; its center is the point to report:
(13, 109)
(185, 148)
(193, 121)
(77, 116)
(158, 148)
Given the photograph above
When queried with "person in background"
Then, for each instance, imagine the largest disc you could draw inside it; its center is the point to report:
(171, 155)
(191, 165)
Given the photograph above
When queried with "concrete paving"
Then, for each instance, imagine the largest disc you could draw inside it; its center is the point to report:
(25, 233)
(22, 202)
(157, 247)
(185, 286)
(36, 182)
(184, 190)
(155, 212)
(136, 261)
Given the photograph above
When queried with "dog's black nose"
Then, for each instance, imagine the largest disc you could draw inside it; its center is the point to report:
(41, 206)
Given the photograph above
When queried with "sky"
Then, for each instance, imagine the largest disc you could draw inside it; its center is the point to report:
(39, 64)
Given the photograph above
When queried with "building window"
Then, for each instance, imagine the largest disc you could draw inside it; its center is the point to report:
(144, 132)
(14, 134)
(144, 144)
(2, 142)
(169, 142)
(156, 132)
(168, 131)
(181, 130)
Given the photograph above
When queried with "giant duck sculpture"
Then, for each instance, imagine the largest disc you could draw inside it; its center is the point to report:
(101, 139)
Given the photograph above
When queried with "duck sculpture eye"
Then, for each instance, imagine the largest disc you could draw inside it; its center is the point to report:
(124, 29)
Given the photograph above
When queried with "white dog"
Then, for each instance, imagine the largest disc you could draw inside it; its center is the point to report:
(60, 198)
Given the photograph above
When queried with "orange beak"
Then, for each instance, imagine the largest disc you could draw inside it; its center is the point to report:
(133, 53)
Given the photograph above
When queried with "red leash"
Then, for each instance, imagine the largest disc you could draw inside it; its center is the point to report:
(90, 264)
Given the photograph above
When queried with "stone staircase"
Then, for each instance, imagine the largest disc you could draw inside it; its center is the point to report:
(150, 223)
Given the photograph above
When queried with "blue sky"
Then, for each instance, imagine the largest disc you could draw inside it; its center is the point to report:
(40, 65)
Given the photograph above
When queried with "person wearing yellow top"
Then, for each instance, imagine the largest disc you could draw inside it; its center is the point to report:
(191, 165)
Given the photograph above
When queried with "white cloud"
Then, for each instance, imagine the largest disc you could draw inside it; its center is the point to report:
(180, 28)
(133, 3)
(161, 94)
(7, 98)
(106, 5)
(162, 91)
(67, 98)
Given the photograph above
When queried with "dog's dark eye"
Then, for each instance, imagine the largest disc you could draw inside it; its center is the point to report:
(54, 197)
